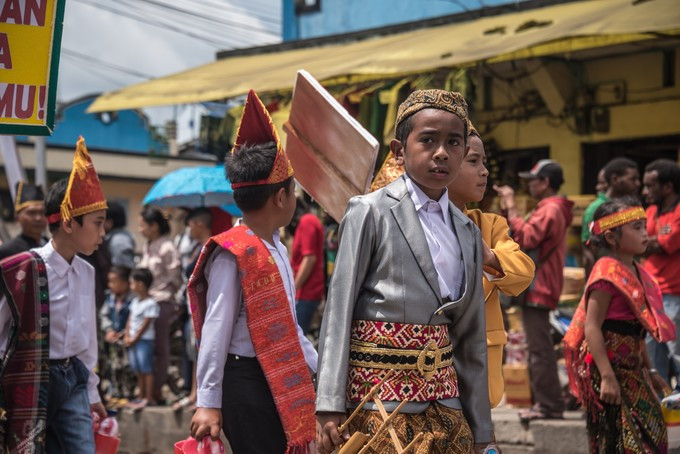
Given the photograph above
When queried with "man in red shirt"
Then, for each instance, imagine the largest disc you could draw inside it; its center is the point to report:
(661, 188)
(308, 265)
(541, 235)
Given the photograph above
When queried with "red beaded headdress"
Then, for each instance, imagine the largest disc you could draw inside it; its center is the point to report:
(256, 127)
(617, 219)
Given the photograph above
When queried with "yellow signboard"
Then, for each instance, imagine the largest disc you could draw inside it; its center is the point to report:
(30, 42)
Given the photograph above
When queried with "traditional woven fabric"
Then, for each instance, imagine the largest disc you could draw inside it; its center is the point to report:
(256, 127)
(434, 99)
(446, 431)
(84, 192)
(411, 385)
(635, 426)
(25, 368)
(644, 299)
(272, 330)
(388, 172)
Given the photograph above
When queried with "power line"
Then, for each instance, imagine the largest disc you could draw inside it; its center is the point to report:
(218, 21)
(213, 43)
(221, 6)
(185, 21)
(90, 59)
(93, 71)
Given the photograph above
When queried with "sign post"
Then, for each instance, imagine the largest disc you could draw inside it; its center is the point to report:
(30, 44)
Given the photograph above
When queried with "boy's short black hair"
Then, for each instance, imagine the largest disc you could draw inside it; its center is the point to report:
(201, 214)
(667, 171)
(122, 272)
(144, 276)
(55, 195)
(253, 163)
(153, 215)
(404, 130)
(618, 167)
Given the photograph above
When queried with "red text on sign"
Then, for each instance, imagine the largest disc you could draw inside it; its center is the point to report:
(19, 101)
(23, 12)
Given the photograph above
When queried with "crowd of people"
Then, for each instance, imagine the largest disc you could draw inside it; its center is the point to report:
(410, 278)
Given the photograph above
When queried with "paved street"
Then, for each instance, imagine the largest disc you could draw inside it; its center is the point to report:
(156, 429)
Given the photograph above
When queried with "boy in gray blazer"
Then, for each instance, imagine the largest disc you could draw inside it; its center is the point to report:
(407, 294)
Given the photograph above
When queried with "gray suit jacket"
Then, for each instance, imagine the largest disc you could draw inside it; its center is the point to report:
(384, 271)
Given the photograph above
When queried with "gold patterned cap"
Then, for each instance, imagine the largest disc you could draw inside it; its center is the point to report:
(27, 194)
(472, 131)
(451, 101)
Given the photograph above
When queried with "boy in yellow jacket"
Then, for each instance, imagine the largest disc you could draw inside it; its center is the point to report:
(506, 267)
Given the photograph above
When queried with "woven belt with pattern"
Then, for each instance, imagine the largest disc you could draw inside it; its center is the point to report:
(420, 355)
(426, 361)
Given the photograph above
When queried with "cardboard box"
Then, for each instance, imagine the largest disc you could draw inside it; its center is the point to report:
(581, 202)
(517, 385)
(574, 280)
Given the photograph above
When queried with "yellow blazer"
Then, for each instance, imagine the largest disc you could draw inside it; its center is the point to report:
(518, 272)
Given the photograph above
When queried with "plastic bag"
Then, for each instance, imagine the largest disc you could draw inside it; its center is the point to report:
(205, 446)
(106, 435)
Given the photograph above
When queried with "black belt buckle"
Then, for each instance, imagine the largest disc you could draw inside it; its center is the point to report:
(60, 362)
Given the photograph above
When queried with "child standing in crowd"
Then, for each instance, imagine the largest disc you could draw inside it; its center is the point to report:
(408, 284)
(161, 257)
(609, 370)
(113, 317)
(506, 267)
(48, 324)
(254, 361)
(140, 334)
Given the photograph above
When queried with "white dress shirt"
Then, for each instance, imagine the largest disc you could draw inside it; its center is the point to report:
(73, 319)
(442, 241)
(225, 329)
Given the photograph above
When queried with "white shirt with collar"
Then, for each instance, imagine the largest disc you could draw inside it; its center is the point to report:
(73, 319)
(225, 329)
(442, 241)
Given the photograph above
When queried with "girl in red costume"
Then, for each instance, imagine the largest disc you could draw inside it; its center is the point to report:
(609, 370)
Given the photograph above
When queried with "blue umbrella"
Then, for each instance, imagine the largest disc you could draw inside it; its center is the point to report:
(193, 187)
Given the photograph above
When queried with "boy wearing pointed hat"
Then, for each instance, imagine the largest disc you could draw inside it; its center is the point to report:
(407, 290)
(254, 362)
(48, 337)
(29, 211)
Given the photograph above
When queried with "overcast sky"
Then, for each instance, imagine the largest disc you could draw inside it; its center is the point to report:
(101, 47)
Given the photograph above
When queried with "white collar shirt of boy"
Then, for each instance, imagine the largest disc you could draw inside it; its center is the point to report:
(73, 322)
(442, 241)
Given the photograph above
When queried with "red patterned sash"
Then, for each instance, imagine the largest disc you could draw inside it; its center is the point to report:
(425, 344)
(272, 330)
(644, 299)
(25, 367)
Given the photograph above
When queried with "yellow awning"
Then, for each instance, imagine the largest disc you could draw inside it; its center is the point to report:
(555, 29)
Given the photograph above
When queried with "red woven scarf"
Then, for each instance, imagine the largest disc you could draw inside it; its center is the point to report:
(272, 330)
(644, 299)
(25, 368)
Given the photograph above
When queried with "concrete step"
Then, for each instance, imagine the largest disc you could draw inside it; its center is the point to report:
(155, 430)
(516, 449)
(541, 436)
